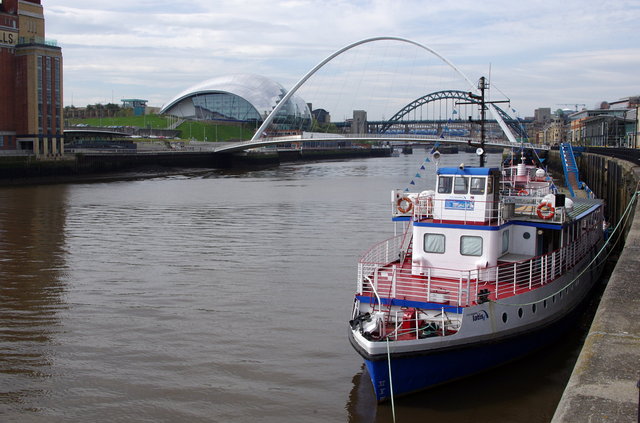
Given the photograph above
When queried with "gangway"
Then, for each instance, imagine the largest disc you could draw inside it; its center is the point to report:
(576, 187)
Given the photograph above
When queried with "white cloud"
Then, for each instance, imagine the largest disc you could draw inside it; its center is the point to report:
(540, 52)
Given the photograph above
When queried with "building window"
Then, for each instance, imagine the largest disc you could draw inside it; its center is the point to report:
(461, 185)
(434, 243)
(56, 70)
(39, 71)
(471, 245)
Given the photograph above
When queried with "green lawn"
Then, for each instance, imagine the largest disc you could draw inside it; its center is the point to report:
(201, 131)
(151, 121)
(208, 132)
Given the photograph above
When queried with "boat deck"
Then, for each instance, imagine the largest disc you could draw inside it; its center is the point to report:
(397, 283)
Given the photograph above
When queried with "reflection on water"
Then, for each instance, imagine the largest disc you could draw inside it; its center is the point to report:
(31, 292)
(219, 296)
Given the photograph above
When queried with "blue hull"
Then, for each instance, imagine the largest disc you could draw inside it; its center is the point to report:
(414, 373)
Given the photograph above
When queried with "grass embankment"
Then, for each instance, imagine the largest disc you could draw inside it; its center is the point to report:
(197, 130)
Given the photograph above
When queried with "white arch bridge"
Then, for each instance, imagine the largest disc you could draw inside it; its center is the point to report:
(259, 140)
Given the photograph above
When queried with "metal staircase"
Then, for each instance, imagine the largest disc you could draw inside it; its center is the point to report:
(576, 187)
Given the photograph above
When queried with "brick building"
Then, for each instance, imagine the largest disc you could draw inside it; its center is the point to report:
(30, 82)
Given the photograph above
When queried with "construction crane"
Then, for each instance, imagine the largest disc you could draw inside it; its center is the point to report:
(572, 104)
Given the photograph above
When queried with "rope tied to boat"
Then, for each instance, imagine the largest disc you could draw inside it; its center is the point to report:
(393, 406)
(619, 225)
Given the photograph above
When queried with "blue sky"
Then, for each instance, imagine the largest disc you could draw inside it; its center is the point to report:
(541, 53)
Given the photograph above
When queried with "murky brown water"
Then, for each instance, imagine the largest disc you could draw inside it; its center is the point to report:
(218, 297)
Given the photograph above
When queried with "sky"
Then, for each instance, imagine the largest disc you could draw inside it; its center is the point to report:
(537, 53)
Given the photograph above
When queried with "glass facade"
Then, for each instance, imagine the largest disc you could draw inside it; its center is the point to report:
(224, 106)
(245, 98)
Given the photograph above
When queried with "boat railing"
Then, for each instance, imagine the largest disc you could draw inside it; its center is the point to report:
(513, 278)
(395, 281)
(403, 325)
(385, 252)
(488, 212)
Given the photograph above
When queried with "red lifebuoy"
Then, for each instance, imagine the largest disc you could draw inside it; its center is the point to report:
(523, 192)
(545, 210)
(404, 209)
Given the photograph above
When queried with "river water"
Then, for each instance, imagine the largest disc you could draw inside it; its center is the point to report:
(218, 297)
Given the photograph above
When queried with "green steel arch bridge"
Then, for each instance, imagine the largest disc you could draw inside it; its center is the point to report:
(514, 125)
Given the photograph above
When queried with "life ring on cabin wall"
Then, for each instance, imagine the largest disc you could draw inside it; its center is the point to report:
(402, 208)
(523, 192)
(545, 210)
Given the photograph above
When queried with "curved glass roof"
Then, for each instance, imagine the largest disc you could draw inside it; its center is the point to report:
(262, 93)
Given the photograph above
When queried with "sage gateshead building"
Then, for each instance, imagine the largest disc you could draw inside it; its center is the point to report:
(240, 98)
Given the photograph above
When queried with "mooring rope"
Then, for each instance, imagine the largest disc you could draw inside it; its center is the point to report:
(393, 407)
(624, 217)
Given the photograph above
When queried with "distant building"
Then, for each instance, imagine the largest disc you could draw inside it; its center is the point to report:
(608, 127)
(553, 132)
(31, 82)
(321, 116)
(137, 105)
(542, 115)
(359, 124)
(240, 98)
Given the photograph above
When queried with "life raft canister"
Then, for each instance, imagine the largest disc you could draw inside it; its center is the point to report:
(545, 210)
(404, 205)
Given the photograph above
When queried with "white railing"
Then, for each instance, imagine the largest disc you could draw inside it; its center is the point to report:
(480, 211)
(381, 274)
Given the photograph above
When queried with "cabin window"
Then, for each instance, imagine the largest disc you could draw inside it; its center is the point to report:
(477, 186)
(434, 243)
(505, 241)
(471, 245)
(461, 185)
(490, 185)
(444, 184)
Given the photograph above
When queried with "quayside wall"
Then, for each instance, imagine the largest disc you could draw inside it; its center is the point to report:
(27, 169)
(604, 382)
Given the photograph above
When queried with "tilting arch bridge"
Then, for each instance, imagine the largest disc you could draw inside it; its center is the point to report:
(499, 115)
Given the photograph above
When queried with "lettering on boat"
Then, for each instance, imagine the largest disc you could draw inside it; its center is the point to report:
(458, 205)
(480, 315)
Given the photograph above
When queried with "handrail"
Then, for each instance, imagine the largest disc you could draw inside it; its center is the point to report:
(454, 286)
(526, 206)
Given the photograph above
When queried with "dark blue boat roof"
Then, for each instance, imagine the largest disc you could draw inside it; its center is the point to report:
(467, 170)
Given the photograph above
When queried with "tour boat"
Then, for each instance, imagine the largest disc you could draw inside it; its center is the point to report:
(484, 269)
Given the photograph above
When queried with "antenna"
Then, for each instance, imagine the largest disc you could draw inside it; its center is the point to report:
(489, 82)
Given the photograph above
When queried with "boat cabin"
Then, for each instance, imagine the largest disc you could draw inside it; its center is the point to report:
(466, 195)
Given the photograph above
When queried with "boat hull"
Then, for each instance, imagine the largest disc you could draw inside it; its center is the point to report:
(423, 370)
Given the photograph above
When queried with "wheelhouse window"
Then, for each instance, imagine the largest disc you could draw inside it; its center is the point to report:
(444, 184)
(461, 185)
(471, 245)
(434, 243)
(490, 185)
(477, 186)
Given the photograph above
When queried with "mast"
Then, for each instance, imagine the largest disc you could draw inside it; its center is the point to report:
(483, 85)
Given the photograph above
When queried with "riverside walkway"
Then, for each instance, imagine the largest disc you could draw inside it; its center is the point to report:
(603, 386)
